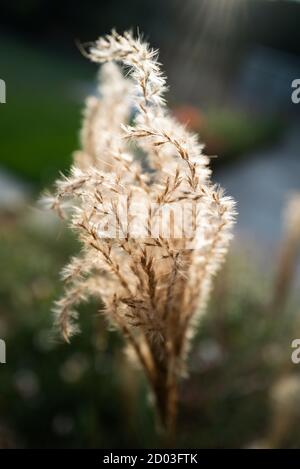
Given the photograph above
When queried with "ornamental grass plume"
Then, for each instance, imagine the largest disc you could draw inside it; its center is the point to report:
(154, 229)
(289, 254)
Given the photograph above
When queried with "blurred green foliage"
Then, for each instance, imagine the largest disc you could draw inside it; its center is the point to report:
(54, 394)
(231, 134)
(86, 395)
(39, 124)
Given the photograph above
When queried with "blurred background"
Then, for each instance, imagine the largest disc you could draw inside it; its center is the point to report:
(230, 65)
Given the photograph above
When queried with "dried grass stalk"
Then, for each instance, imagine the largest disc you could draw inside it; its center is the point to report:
(154, 283)
(289, 254)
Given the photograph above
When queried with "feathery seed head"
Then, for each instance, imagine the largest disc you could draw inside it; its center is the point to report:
(153, 227)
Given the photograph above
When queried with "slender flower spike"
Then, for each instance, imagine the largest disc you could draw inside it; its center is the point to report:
(154, 229)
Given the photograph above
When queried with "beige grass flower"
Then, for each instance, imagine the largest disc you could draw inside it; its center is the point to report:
(153, 277)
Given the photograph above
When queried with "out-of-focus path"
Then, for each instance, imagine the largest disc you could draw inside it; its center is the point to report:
(261, 184)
